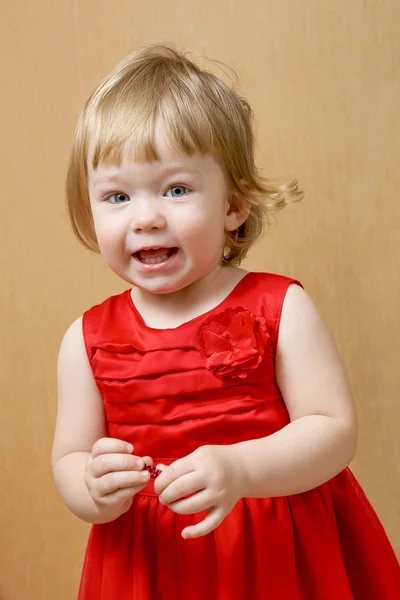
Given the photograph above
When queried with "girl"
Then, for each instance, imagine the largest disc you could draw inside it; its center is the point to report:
(209, 452)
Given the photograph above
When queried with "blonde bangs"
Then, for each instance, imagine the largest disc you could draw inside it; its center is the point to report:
(124, 124)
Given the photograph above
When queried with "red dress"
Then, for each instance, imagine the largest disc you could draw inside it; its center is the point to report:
(166, 395)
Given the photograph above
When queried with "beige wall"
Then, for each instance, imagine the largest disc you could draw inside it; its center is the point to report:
(323, 78)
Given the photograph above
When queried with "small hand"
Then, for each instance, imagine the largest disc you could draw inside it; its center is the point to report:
(113, 475)
(210, 478)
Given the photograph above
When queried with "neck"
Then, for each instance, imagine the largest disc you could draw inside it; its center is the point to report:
(187, 302)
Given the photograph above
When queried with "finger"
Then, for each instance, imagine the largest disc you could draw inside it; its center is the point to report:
(121, 495)
(161, 467)
(156, 471)
(181, 487)
(197, 502)
(213, 519)
(111, 482)
(108, 463)
(110, 446)
(180, 467)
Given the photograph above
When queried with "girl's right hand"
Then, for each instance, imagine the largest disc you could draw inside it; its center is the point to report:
(113, 475)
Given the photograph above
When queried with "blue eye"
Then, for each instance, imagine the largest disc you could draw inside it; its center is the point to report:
(180, 189)
(119, 198)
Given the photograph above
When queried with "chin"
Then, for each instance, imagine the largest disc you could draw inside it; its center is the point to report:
(157, 286)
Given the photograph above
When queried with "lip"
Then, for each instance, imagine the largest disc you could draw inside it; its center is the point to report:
(165, 265)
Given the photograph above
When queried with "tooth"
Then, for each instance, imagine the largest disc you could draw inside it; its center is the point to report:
(152, 261)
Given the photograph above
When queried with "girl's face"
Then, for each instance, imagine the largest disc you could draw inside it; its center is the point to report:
(160, 225)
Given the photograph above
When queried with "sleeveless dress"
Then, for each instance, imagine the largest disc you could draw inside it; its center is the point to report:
(211, 381)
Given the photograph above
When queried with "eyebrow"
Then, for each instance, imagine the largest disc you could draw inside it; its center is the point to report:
(169, 170)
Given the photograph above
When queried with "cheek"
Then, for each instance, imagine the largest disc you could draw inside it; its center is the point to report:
(108, 236)
(202, 236)
(205, 221)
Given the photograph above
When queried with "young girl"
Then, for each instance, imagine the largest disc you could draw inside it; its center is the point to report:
(205, 421)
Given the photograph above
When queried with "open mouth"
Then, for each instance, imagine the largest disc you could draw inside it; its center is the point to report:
(154, 256)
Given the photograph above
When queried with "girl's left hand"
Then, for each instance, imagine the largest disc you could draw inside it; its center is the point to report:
(212, 478)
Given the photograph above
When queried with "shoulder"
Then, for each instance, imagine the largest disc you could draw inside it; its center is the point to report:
(73, 333)
(299, 312)
(72, 342)
(73, 364)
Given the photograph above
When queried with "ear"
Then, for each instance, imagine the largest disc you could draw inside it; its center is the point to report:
(238, 209)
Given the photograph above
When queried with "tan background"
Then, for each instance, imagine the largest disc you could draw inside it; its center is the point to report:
(323, 78)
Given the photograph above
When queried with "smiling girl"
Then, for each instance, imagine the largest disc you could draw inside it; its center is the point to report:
(205, 421)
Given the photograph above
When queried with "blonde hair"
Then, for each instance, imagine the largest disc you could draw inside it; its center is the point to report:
(201, 112)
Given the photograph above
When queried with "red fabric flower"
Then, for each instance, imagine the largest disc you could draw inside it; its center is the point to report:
(233, 342)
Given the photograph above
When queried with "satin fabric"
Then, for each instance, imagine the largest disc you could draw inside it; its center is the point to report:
(324, 544)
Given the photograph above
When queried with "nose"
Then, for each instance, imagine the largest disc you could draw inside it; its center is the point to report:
(147, 216)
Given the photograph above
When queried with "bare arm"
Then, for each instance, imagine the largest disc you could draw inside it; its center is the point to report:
(321, 439)
(95, 476)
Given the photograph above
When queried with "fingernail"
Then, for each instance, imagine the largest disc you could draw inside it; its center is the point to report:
(140, 463)
(129, 448)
